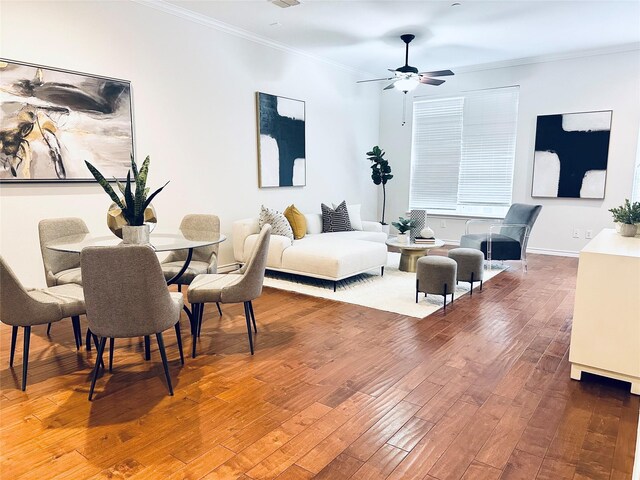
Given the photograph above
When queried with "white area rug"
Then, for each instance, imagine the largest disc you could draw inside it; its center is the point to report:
(393, 292)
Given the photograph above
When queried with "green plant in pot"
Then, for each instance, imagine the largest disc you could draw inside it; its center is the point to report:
(403, 225)
(134, 202)
(627, 216)
(380, 173)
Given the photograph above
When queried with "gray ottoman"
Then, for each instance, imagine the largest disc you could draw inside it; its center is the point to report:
(470, 265)
(436, 275)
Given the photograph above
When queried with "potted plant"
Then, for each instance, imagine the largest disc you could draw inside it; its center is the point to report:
(403, 225)
(132, 203)
(627, 215)
(380, 174)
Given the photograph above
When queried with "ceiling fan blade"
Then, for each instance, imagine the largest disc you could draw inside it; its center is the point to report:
(431, 81)
(438, 73)
(389, 87)
(375, 80)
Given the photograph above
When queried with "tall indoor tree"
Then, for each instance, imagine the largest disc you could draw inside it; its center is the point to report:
(380, 173)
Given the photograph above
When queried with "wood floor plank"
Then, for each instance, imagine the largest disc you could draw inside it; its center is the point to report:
(334, 391)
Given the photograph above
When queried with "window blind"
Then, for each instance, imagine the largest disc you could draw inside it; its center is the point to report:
(463, 151)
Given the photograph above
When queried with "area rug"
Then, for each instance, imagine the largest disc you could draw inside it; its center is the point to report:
(393, 292)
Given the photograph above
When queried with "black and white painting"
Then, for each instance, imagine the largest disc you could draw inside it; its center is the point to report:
(52, 120)
(571, 153)
(281, 153)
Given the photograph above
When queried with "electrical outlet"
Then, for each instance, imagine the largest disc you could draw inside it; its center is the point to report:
(576, 233)
(443, 224)
(588, 234)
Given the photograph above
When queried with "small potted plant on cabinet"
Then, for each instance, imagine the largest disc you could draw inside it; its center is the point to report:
(403, 225)
(627, 216)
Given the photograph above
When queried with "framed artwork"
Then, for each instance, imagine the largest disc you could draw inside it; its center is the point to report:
(571, 153)
(281, 141)
(52, 120)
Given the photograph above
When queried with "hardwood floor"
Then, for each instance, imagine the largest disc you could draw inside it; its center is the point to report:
(334, 391)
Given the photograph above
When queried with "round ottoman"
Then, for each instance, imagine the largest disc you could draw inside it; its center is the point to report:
(470, 265)
(436, 275)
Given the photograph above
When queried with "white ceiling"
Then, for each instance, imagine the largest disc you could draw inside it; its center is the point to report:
(364, 34)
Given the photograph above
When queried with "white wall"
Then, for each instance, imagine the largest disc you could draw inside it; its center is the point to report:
(194, 107)
(603, 82)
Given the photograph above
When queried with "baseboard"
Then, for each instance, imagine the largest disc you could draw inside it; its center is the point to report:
(538, 251)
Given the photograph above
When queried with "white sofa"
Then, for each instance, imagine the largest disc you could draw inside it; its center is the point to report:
(330, 256)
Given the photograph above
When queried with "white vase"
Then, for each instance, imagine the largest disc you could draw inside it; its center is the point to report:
(138, 234)
(628, 230)
(403, 238)
(426, 232)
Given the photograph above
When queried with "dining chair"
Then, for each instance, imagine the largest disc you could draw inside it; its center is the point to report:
(126, 296)
(60, 268)
(204, 259)
(242, 286)
(22, 307)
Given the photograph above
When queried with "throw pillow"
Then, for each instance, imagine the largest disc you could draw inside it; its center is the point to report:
(297, 221)
(279, 223)
(354, 216)
(335, 220)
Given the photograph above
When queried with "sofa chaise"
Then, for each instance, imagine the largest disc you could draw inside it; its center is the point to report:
(329, 256)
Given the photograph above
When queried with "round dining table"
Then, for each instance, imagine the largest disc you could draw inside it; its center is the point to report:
(160, 242)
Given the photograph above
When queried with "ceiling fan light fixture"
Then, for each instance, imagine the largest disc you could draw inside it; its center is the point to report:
(406, 84)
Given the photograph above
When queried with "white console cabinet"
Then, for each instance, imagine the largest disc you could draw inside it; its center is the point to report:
(605, 337)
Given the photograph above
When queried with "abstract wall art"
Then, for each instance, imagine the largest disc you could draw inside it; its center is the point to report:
(571, 153)
(281, 141)
(52, 120)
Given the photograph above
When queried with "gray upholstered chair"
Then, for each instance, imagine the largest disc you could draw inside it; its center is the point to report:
(21, 307)
(204, 259)
(242, 286)
(60, 268)
(506, 240)
(127, 296)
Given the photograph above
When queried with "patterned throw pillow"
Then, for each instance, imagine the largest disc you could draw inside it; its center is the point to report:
(335, 220)
(279, 223)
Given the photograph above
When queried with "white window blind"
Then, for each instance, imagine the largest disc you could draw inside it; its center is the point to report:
(463, 152)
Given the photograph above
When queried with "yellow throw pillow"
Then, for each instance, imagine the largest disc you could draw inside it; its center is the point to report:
(297, 221)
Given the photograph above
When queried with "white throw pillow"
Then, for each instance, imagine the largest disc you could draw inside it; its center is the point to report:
(279, 223)
(354, 216)
(314, 223)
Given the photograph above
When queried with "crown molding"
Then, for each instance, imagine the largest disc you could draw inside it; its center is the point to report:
(627, 47)
(206, 21)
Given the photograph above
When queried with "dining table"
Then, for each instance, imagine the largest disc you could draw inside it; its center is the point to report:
(160, 242)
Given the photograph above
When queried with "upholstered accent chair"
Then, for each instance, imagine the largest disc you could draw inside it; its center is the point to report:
(60, 268)
(243, 286)
(204, 259)
(127, 296)
(21, 307)
(506, 240)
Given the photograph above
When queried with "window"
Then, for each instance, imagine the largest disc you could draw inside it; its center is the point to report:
(463, 152)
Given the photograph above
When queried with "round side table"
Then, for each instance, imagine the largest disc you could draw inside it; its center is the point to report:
(411, 252)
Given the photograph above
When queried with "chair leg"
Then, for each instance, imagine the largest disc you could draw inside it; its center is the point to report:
(163, 355)
(382, 271)
(247, 316)
(253, 317)
(480, 285)
(200, 316)
(87, 340)
(219, 309)
(194, 334)
(25, 356)
(444, 294)
(179, 338)
(96, 343)
(14, 337)
(417, 286)
(471, 289)
(75, 323)
(96, 367)
(48, 329)
(111, 342)
(147, 347)
(180, 287)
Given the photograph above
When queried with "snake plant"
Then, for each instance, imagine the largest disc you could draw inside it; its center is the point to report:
(132, 203)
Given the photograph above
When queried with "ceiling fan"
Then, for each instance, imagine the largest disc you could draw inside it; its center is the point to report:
(406, 78)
